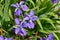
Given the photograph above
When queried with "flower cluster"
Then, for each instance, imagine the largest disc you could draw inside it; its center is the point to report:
(50, 37)
(27, 20)
(5, 38)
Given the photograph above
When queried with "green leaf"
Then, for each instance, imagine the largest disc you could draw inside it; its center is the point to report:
(6, 15)
(40, 25)
(1, 1)
(43, 31)
(50, 21)
(58, 22)
(32, 3)
(10, 14)
(56, 36)
(14, 1)
(40, 10)
(34, 38)
(1, 10)
(38, 2)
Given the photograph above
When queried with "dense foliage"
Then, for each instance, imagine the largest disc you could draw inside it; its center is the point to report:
(29, 20)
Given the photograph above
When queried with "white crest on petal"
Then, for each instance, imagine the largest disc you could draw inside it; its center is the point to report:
(21, 2)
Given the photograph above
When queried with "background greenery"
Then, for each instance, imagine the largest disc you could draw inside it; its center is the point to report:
(48, 19)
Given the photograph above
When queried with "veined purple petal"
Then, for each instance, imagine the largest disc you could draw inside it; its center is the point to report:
(10, 38)
(54, 1)
(17, 21)
(17, 5)
(24, 7)
(32, 13)
(50, 35)
(30, 24)
(1, 38)
(27, 15)
(14, 5)
(22, 32)
(34, 18)
(26, 18)
(42, 38)
(17, 30)
(18, 12)
(24, 24)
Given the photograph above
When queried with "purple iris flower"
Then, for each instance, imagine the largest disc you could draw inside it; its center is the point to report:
(54, 1)
(18, 7)
(17, 21)
(30, 17)
(20, 31)
(18, 12)
(1, 38)
(50, 37)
